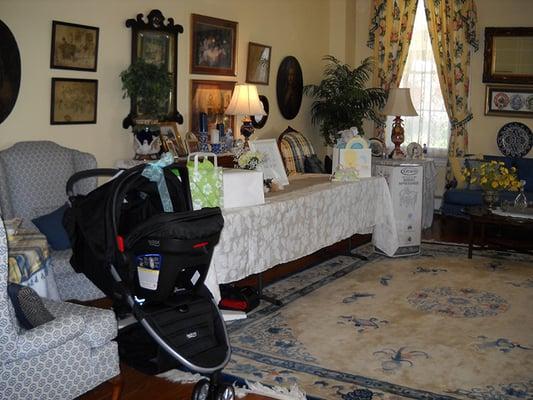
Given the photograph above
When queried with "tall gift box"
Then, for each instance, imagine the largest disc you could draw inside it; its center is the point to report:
(242, 187)
(405, 186)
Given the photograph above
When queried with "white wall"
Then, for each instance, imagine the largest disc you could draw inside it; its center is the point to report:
(296, 27)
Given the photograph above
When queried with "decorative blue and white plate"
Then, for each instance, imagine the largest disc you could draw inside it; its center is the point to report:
(514, 139)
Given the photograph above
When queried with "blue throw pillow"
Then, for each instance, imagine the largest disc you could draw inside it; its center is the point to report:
(313, 165)
(51, 225)
(29, 308)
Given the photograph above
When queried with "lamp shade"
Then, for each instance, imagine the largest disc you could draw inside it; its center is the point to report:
(245, 101)
(399, 103)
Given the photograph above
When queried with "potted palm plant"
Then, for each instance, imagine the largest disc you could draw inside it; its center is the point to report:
(148, 86)
(342, 100)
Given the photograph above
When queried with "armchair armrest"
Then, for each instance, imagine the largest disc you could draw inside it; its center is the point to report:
(48, 336)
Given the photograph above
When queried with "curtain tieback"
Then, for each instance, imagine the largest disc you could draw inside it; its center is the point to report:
(457, 124)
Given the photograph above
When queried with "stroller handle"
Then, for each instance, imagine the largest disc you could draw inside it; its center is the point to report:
(89, 173)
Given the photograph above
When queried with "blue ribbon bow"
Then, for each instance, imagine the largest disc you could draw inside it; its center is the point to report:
(154, 172)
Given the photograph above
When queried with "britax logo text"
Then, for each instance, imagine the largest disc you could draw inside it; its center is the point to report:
(154, 243)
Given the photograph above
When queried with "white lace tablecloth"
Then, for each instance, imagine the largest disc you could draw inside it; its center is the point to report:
(312, 213)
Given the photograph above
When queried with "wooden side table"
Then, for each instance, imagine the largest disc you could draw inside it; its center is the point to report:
(483, 217)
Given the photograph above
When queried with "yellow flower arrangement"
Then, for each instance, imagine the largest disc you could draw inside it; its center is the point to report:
(493, 175)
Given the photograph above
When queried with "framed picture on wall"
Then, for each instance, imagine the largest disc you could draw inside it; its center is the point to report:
(74, 46)
(258, 66)
(213, 45)
(74, 101)
(211, 97)
(509, 101)
(171, 139)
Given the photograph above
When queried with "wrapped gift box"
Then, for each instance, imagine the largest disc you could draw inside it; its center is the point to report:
(242, 188)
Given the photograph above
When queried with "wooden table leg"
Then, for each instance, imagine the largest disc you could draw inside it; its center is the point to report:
(470, 237)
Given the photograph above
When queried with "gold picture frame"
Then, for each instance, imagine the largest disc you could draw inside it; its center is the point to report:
(258, 65)
(211, 97)
(213, 45)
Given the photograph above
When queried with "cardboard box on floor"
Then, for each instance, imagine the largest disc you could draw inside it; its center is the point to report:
(405, 186)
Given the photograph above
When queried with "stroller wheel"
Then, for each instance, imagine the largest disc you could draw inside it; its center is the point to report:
(225, 392)
(201, 390)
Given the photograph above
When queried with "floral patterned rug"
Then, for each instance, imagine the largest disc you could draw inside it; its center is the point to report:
(435, 326)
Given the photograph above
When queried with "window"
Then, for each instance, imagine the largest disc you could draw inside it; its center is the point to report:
(432, 126)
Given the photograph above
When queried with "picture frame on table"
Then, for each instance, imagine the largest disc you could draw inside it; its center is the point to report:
(74, 46)
(212, 98)
(192, 143)
(272, 166)
(213, 45)
(258, 65)
(74, 101)
(509, 101)
(171, 140)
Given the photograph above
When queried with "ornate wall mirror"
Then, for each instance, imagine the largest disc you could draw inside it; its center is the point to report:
(508, 55)
(156, 43)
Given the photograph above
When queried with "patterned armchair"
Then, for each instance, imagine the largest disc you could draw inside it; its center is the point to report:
(60, 359)
(33, 176)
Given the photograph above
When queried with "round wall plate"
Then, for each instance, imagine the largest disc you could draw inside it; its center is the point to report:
(514, 139)
(258, 121)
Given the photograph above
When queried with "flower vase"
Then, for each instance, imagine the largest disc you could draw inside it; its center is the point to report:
(490, 198)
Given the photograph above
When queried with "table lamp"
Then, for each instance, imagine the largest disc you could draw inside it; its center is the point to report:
(399, 103)
(245, 101)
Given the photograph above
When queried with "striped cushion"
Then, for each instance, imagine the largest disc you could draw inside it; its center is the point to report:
(294, 148)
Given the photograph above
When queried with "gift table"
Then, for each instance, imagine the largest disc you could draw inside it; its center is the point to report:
(310, 214)
(30, 265)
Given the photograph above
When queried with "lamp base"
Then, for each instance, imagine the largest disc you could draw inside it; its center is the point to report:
(247, 130)
(397, 137)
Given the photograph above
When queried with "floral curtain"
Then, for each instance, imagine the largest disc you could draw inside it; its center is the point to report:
(391, 26)
(452, 29)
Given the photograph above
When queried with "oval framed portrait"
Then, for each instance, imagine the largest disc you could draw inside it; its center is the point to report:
(258, 121)
(289, 87)
(9, 71)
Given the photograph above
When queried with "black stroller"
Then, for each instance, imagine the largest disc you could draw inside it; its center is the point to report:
(155, 263)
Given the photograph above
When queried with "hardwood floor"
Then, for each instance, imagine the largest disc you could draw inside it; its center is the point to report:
(138, 386)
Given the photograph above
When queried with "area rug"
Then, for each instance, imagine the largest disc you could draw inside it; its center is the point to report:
(434, 326)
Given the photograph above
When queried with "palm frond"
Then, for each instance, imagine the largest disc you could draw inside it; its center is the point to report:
(342, 99)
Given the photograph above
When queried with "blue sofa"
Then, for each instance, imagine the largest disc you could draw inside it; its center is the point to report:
(456, 199)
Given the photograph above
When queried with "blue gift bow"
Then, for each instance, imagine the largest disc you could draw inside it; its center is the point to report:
(154, 172)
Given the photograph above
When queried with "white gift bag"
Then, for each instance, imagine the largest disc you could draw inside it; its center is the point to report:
(242, 187)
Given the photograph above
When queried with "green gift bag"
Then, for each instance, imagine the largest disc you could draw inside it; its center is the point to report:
(205, 180)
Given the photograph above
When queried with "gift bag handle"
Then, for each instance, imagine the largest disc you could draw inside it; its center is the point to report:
(204, 155)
